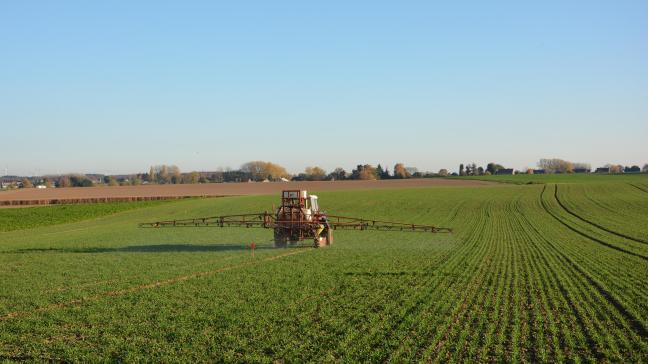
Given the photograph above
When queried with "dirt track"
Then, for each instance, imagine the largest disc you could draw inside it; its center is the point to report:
(32, 196)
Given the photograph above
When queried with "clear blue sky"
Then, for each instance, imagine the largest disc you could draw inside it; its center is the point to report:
(116, 86)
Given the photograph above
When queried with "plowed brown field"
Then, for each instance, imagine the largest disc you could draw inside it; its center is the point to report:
(34, 196)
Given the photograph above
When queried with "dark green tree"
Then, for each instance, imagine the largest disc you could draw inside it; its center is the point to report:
(379, 171)
(493, 167)
(338, 174)
(385, 174)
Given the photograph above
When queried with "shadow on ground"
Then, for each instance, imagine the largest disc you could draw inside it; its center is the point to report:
(381, 274)
(157, 248)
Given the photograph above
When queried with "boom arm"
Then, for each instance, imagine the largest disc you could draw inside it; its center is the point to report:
(263, 220)
(355, 223)
(269, 221)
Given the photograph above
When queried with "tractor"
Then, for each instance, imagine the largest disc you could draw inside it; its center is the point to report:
(297, 219)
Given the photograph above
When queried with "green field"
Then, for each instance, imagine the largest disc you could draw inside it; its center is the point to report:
(536, 273)
(562, 178)
(27, 218)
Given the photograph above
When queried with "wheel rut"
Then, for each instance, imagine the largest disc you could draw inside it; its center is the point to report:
(579, 232)
(569, 211)
(635, 323)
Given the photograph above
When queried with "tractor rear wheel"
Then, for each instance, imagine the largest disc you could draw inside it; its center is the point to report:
(280, 239)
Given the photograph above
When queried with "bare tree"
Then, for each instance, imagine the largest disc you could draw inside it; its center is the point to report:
(26, 183)
(112, 181)
(400, 171)
(64, 181)
(260, 170)
(365, 172)
(368, 173)
(615, 168)
(443, 172)
(645, 168)
(163, 174)
(152, 177)
(176, 176)
(315, 173)
(191, 178)
(556, 165)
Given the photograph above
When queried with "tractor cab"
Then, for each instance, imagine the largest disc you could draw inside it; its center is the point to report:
(299, 200)
(312, 204)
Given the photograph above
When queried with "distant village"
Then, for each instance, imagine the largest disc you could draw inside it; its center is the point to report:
(260, 171)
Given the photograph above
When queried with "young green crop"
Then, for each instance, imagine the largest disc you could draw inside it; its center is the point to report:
(31, 217)
(580, 178)
(520, 279)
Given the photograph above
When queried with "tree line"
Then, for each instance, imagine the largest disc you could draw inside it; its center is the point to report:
(365, 172)
(259, 171)
(471, 169)
(549, 166)
(77, 180)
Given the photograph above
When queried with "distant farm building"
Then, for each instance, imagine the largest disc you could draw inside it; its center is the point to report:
(582, 170)
(505, 171)
(539, 171)
(602, 170)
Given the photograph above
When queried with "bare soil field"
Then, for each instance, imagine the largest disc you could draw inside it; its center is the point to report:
(32, 196)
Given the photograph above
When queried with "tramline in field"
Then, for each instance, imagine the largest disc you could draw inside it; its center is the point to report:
(298, 218)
